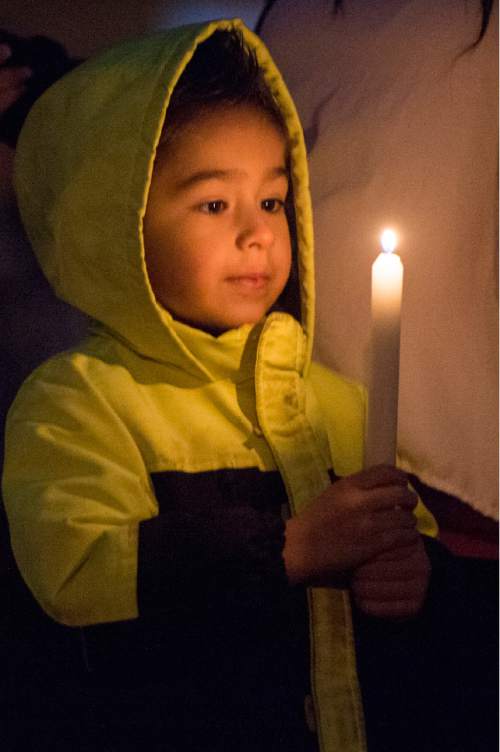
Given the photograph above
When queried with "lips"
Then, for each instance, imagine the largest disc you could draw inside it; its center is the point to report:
(250, 281)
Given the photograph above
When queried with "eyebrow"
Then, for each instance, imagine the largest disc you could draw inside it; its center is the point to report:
(204, 175)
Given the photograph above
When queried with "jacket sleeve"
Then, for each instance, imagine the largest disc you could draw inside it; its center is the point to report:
(183, 557)
(84, 520)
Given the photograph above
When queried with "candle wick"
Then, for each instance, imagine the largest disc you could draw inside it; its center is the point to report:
(388, 241)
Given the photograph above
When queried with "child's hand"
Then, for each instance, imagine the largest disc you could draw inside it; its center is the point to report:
(393, 584)
(354, 520)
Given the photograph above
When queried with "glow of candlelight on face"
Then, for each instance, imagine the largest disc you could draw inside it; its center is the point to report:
(389, 241)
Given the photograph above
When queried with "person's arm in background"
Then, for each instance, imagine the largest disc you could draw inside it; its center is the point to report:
(28, 66)
(33, 323)
(12, 79)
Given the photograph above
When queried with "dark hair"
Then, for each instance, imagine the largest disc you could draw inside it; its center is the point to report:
(486, 9)
(222, 72)
(338, 5)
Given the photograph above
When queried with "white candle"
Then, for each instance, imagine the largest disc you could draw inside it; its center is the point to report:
(387, 287)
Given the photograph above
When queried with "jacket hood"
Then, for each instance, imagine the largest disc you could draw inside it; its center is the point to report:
(83, 169)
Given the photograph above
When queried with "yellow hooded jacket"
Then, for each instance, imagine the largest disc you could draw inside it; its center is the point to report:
(144, 398)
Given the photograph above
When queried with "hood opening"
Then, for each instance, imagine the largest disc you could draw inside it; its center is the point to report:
(83, 168)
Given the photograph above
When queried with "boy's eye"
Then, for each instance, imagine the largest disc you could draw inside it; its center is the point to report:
(272, 205)
(213, 207)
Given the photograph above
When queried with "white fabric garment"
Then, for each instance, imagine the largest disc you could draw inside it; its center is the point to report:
(401, 121)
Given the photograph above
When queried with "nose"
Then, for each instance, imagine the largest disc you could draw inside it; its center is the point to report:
(254, 231)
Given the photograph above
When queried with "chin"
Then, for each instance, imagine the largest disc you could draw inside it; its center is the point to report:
(218, 326)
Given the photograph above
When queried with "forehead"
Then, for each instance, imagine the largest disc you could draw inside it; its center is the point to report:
(224, 133)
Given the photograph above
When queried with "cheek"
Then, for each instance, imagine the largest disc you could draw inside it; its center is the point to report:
(178, 276)
(160, 252)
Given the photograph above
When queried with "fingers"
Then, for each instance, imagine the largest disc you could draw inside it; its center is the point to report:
(380, 487)
(393, 575)
(393, 497)
(401, 562)
(385, 519)
(354, 520)
(379, 475)
(394, 537)
(386, 498)
(395, 590)
(393, 584)
(382, 532)
(400, 555)
(402, 609)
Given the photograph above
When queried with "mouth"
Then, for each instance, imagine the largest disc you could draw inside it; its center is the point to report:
(250, 282)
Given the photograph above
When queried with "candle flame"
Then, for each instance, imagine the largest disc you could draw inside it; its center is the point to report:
(389, 241)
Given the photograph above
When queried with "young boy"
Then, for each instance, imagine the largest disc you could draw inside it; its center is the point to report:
(169, 482)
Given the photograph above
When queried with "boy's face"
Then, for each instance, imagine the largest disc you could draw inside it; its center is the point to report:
(216, 235)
